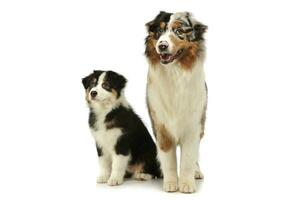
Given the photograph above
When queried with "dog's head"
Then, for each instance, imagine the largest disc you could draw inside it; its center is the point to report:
(174, 38)
(103, 87)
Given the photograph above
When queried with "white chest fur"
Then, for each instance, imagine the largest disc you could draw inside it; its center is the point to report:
(177, 97)
(106, 139)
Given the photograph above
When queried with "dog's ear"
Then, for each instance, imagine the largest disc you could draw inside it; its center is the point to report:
(198, 31)
(198, 28)
(162, 16)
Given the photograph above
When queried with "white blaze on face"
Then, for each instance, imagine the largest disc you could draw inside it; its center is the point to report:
(103, 95)
(165, 38)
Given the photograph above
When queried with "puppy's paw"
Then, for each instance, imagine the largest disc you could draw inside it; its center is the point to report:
(102, 179)
(198, 174)
(142, 176)
(187, 186)
(170, 186)
(115, 181)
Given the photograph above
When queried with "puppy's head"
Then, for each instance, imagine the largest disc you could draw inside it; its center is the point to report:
(103, 87)
(174, 38)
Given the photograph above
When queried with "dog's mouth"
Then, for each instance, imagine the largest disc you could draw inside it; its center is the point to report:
(168, 58)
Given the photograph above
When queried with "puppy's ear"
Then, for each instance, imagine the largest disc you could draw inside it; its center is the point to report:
(87, 80)
(117, 80)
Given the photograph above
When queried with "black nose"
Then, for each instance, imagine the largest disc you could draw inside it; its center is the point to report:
(93, 94)
(163, 46)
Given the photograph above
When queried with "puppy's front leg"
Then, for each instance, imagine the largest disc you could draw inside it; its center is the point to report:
(189, 154)
(104, 165)
(119, 165)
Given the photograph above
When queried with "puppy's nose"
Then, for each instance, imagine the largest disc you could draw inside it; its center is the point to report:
(163, 45)
(93, 94)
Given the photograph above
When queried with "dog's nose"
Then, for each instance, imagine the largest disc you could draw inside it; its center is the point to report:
(93, 94)
(163, 45)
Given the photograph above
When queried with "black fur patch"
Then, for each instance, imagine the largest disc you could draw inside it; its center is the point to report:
(199, 30)
(154, 25)
(92, 120)
(135, 139)
(91, 80)
(99, 151)
(115, 81)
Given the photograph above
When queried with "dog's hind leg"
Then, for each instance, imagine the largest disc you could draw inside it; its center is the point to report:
(198, 174)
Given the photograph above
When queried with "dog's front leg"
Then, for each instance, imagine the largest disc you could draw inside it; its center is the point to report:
(167, 155)
(189, 154)
(169, 168)
(119, 165)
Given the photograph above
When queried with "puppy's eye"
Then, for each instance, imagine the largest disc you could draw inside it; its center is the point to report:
(106, 86)
(160, 31)
(179, 31)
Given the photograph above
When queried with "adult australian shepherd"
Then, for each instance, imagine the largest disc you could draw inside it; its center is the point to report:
(177, 94)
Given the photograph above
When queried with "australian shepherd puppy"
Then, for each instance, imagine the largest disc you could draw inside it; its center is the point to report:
(177, 94)
(123, 143)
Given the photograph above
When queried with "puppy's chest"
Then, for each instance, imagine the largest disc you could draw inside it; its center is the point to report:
(104, 137)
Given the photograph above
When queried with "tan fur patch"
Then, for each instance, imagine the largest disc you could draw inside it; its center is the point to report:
(137, 168)
(176, 24)
(162, 25)
(203, 117)
(114, 92)
(164, 138)
(190, 53)
(161, 133)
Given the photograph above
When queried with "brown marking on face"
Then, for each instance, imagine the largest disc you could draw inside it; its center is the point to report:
(162, 25)
(110, 124)
(176, 25)
(114, 92)
(151, 52)
(136, 168)
(191, 51)
(163, 137)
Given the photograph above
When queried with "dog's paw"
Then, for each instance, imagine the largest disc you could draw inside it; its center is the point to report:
(115, 181)
(187, 186)
(198, 174)
(170, 186)
(143, 176)
(102, 179)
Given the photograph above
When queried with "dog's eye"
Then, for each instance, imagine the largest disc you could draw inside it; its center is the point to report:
(106, 86)
(179, 31)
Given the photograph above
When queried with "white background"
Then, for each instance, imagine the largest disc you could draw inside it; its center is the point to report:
(251, 148)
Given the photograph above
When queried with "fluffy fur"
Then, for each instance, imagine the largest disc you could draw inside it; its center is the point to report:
(177, 94)
(124, 145)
